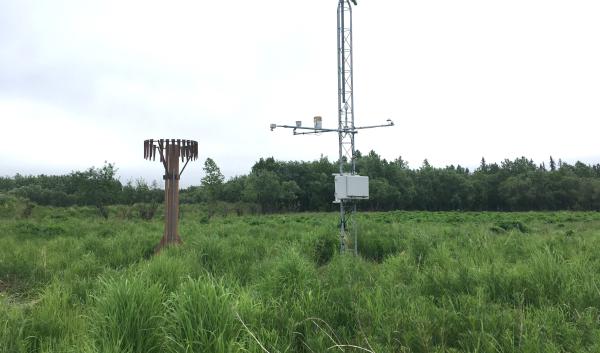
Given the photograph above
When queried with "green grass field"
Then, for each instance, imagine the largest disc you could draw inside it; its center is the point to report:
(424, 282)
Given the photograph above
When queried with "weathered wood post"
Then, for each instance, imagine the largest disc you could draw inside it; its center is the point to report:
(170, 151)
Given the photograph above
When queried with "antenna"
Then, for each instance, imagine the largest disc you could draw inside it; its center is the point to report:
(169, 153)
(349, 187)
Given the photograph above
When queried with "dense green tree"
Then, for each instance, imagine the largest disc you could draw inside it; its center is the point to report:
(233, 189)
(589, 195)
(140, 191)
(265, 188)
(97, 186)
(382, 195)
(213, 179)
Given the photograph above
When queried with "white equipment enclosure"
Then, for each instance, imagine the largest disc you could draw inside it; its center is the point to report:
(351, 187)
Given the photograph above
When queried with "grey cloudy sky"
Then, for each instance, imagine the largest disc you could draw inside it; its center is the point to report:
(82, 82)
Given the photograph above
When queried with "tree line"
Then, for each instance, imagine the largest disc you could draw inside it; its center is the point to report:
(92, 187)
(275, 186)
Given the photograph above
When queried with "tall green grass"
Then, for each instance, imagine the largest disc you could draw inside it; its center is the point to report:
(201, 317)
(127, 315)
(424, 282)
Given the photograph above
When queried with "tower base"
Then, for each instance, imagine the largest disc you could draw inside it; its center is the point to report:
(166, 241)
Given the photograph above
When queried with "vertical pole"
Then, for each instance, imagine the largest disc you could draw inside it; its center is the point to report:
(350, 64)
(342, 228)
(355, 230)
(340, 62)
(345, 112)
(171, 177)
(167, 177)
(341, 101)
(340, 16)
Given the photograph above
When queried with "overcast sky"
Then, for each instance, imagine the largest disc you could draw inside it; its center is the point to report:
(82, 82)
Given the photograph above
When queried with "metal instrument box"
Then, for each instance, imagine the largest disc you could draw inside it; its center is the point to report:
(351, 187)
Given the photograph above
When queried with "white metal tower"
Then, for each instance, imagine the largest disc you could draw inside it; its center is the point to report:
(349, 187)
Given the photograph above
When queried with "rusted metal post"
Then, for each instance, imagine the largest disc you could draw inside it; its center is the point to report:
(170, 151)
(171, 197)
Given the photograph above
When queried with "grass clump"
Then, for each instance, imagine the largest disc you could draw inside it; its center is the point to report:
(12, 326)
(201, 318)
(128, 316)
(513, 225)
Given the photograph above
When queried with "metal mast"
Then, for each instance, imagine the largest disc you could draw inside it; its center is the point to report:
(345, 86)
(346, 131)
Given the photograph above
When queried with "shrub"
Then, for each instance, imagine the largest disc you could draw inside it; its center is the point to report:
(147, 210)
(27, 210)
(11, 206)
